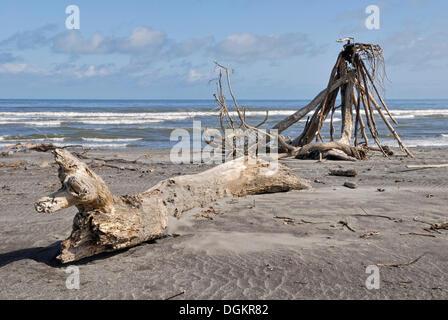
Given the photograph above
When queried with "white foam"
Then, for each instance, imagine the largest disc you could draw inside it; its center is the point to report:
(423, 112)
(98, 145)
(105, 145)
(38, 139)
(115, 121)
(4, 145)
(178, 115)
(111, 140)
(35, 123)
(430, 142)
(181, 114)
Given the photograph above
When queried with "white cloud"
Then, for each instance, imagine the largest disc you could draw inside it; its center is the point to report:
(30, 39)
(141, 39)
(195, 76)
(61, 70)
(91, 71)
(17, 68)
(72, 42)
(250, 47)
(189, 46)
(417, 48)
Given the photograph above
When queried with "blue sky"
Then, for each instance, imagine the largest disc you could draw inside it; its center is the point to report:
(165, 49)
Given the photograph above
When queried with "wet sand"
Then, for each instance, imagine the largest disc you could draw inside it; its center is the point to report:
(274, 246)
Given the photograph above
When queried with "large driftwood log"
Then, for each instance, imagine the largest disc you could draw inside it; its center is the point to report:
(107, 223)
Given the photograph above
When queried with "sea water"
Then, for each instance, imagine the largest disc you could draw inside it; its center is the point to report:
(117, 124)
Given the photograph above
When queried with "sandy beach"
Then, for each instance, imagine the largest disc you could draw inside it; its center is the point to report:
(312, 244)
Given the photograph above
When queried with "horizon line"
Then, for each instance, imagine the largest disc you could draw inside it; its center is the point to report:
(195, 99)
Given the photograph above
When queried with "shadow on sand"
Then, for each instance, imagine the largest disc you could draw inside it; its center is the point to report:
(48, 255)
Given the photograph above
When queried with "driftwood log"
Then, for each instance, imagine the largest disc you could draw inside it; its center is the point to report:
(106, 222)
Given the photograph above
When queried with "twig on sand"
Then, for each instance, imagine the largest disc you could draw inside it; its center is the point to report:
(345, 224)
(398, 265)
(95, 164)
(417, 234)
(84, 156)
(285, 219)
(289, 220)
(311, 222)
(176, 295)
(377, 215)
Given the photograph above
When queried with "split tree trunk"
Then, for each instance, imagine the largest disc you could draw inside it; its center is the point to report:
(106, 222)
(347, 114)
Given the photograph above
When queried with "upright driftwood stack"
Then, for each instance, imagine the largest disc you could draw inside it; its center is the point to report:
(357, 85)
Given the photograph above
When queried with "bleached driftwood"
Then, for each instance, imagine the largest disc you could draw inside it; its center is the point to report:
(357, 84)
(106, 222)
(425, 166)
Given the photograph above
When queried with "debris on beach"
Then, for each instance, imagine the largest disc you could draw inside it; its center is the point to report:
(344, 172)
(369, 234)
(12, 165)
(399, 265)
(350, 185)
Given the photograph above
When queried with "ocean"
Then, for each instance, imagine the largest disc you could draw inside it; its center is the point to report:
(118, 124)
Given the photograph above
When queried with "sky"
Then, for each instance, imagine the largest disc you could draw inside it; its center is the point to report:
(281, 49)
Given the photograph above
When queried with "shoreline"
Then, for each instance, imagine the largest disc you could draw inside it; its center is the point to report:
(245, 251)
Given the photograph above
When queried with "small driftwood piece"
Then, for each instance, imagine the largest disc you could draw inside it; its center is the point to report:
(417, 234)
(427, 166)
(369, 234)
(12, 165)
(344, 172)
(350, 185)
(398, 265)
(434, 226)
(106, 222)
(345, 224)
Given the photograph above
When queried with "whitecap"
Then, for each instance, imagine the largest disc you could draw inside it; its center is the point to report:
(111, 140)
